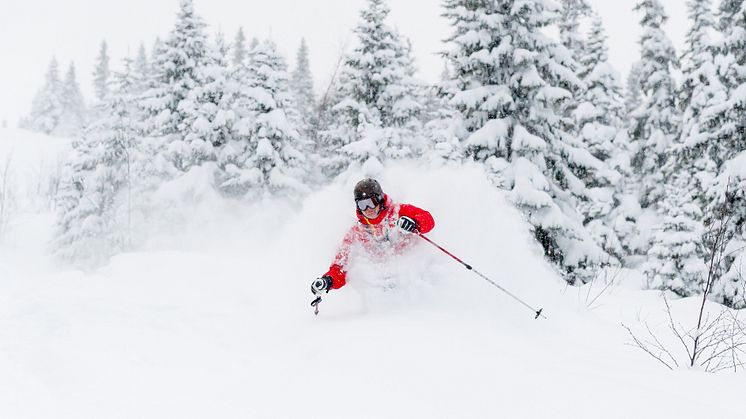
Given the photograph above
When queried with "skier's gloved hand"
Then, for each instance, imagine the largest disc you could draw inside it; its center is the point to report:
(321, 285)
(407, 224)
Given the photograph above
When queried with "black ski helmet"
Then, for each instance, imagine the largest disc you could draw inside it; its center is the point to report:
(369, 188)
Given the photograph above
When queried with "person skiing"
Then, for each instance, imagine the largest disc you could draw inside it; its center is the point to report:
(376, 231)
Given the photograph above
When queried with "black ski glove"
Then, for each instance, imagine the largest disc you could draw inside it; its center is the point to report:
(321, 285)
(407, 224)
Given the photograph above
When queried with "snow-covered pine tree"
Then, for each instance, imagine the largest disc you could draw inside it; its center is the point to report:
(265, 158)
(154, 54)
(509, 75)
(600, 121)
(656, 121)
(95, 205)
(301, 84)
(572, 12)
(208, 108)
(569, 21)
(727, 199)
(141, 73)
(47, 105)
(239, 47)
(101, 74)
(176, 72)
(674, 260)
(729, 118)
(72, 118)
(443, 120)
(633, 90)
(378, 116)
(700, 92)
(728, 206)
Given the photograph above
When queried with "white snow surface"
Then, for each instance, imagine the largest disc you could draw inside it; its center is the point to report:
(219, 325)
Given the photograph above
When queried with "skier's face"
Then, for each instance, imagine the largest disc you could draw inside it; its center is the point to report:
(372, 212)
(369, 207)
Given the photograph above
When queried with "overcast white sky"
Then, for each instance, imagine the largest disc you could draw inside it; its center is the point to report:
(32, 31)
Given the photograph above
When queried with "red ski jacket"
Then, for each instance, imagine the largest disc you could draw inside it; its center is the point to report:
(378, 236)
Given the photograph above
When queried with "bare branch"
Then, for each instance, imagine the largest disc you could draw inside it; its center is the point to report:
(645, 348)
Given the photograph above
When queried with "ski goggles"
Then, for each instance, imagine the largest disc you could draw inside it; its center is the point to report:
(367, 203)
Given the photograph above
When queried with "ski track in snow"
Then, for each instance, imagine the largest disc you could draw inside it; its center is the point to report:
(224, 329)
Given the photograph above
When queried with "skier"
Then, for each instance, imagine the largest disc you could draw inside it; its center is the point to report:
(376, 231)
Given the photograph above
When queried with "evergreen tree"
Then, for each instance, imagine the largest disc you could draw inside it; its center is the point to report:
(177, 63)
(239, 48)
(603, 115)
(141, 71)
(512, 106)
(443, 119)
(569, 22)
(726, 147)
(265, 158)
(700, 92)
(656, 121)
(600, 118)
(47, 105)
(72, 118)
(301, 85)
(102, 74)
(674, 261)
(378, 116)
(633, 91)
(208, 108)
(728, 117)
(154, 54)
(95, 201)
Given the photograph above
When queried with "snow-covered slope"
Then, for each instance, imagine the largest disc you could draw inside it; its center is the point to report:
(219, 325)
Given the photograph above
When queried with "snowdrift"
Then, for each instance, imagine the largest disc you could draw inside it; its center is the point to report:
(215, 322)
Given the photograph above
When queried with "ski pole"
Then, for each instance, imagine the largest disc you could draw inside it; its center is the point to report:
(467, 266)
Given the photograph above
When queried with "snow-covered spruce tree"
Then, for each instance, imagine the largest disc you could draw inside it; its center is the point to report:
(600, 121)
(378, 117)
(633, 90)
(656, 121)
(443, 120)
(47, 106)
(603, 117)
(239, 48)
(101, 74)
(569, 21)
(72, 118)
(95, 205)
(701, 92)
(208, 108)
(301, 84)
(572, 12)
(729, 118)
(728, 206)
(141, 73)
(675, 258)
(265, 158)
(512, 109)
(177, 63)
(726, 196)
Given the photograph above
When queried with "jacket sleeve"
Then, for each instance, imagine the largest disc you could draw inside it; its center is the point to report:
(338, 275)
(337, 270)
(423, 218)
